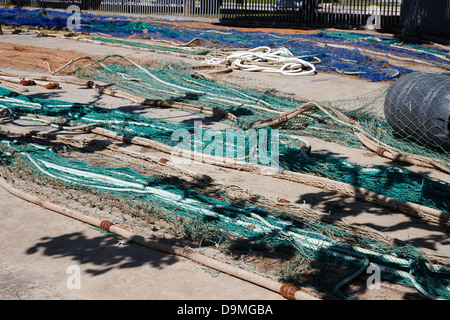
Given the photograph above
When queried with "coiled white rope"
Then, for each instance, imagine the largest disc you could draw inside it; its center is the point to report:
(265, 59)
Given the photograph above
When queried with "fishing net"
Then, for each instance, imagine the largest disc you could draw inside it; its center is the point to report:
(229, 218)
(417, 107)
(241, 224)
(150, 46)
(335, 121)
(211, 215)
(395, 48)
(281, 150)
(351, 54)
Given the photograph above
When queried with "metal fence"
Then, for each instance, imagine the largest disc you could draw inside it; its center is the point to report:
(191, 8)
(349, 13)
(338, 13)
(188, 8)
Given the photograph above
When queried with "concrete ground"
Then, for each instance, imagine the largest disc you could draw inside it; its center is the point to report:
(38, 245)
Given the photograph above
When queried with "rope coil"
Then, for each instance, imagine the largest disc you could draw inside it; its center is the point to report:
(265, 59)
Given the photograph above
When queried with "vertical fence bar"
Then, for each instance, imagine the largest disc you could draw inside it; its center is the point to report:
(340, 11)
(365, 10)
(336, 10)
(258, 9)
(394, 13)
(385, 16)
(354, 13)
(361, 8)
(346, 13)
(332, 12)
(389, 21)
(324, 13)
(329, 14)
(397, 12)
(261, 10)
(390, 7)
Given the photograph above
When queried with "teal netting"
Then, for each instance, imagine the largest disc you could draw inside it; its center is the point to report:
(289, 154)
(334, 121)
(230, 223)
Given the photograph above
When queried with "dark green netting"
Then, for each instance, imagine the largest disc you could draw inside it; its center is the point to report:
(233, 224)
(179, 83)
(289, 154)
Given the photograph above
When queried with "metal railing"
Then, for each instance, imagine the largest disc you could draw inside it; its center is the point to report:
(188, 8)
(337, 13)
(191, 8)
(376, 13)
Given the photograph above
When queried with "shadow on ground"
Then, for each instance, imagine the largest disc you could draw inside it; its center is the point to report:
(103, 252)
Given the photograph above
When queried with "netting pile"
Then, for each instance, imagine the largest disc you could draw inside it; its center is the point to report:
(332, 121)
(212, 216)
(316, 250)
(342, 53)
(392, 182)
(71, 176)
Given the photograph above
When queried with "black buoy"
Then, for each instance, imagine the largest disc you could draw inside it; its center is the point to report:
(417, 107)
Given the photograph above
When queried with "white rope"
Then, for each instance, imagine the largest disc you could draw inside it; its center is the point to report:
(265, 59)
